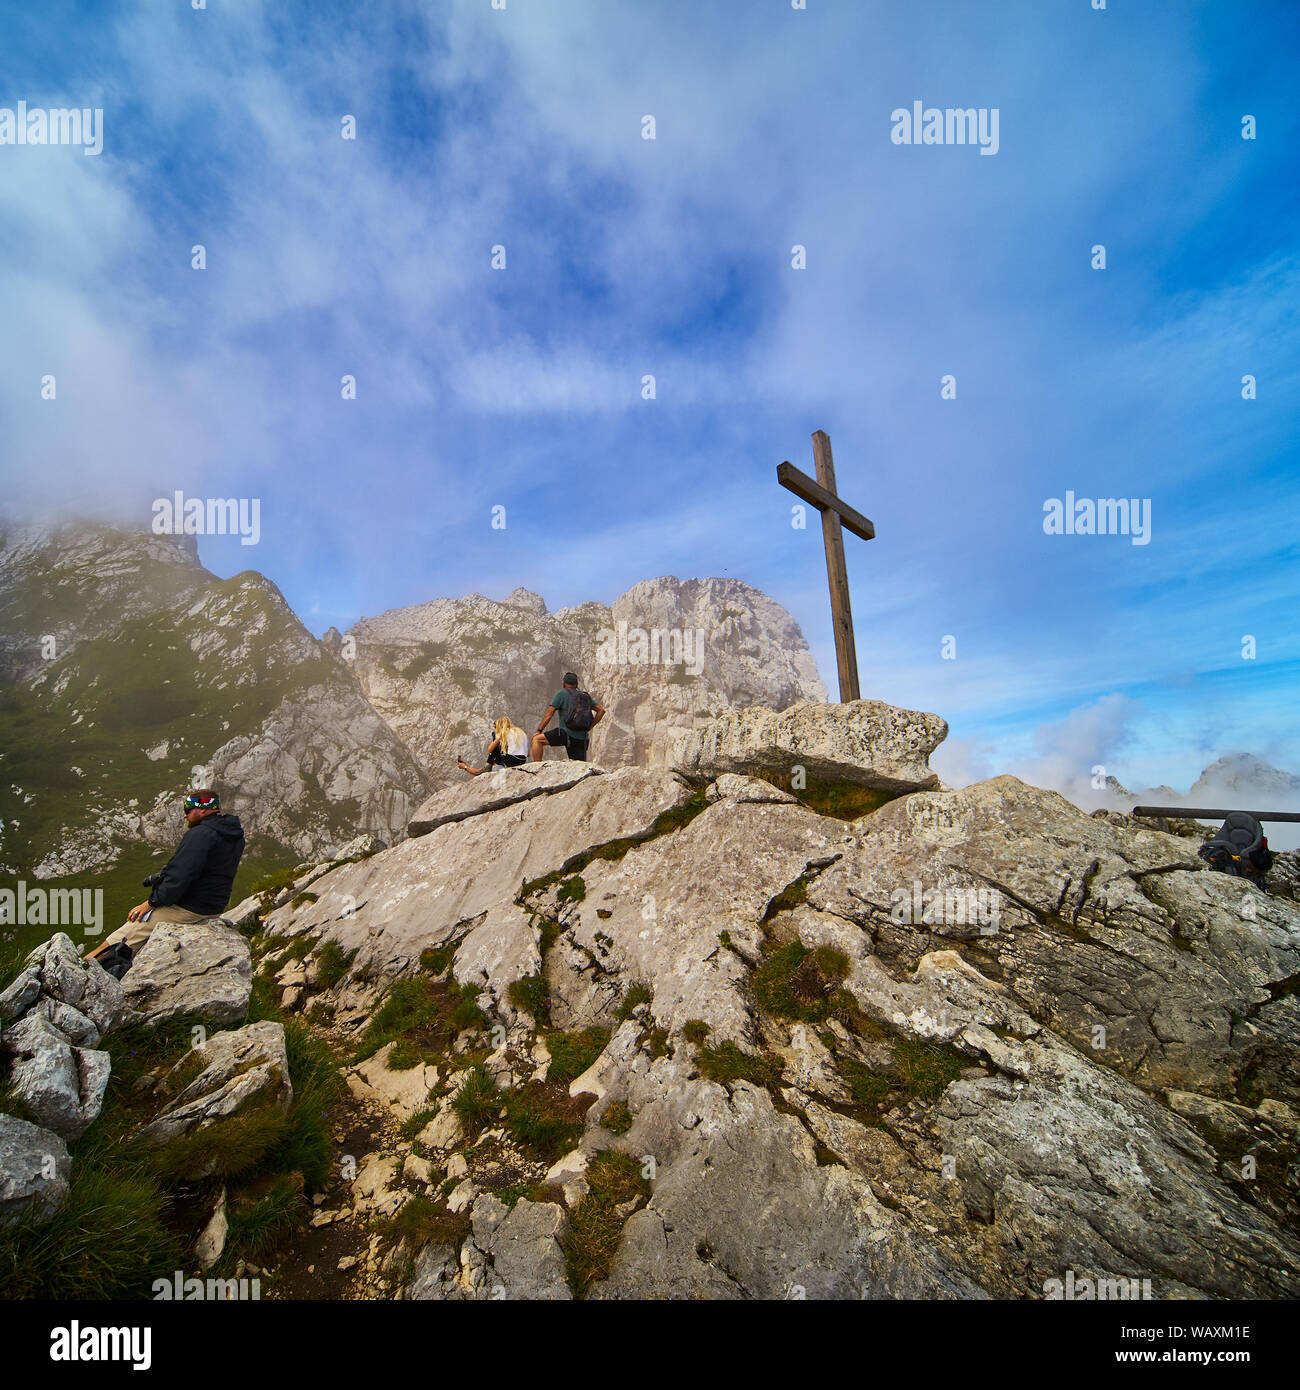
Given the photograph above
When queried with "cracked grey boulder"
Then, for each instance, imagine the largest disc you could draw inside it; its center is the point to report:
(863, 741)
(34, 1171)
(1098, 926)
(80, 992)
(429, 890)
(21, 993)
(1079, 1170)
(243, 1068)
(522, 1248)
(656, 916)
(501, 948)
(511, 1253)
(62, 1085)
(492, 790)
(201, 971)
(741, 1209)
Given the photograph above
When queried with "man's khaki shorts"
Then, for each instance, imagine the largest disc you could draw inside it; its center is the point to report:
(135, 934)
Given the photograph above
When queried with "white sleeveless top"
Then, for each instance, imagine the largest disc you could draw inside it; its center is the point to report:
(516, 744)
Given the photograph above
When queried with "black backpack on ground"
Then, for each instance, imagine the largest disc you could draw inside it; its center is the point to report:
(117, 959)
(581, 715)
(1239, 847)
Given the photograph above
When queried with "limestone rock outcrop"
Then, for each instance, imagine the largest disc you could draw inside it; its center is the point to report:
(52, 1016)
(230, 1072)
(201, 971)
(862, 742)
(953, 1048)
(34, 1169)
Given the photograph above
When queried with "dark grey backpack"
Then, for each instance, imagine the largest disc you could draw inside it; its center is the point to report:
(581, 715)
(117, 959)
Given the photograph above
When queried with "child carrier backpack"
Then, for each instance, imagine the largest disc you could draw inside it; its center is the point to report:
(1239, 847)
(580, 716)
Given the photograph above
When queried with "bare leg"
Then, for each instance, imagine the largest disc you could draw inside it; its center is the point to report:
(539, 747)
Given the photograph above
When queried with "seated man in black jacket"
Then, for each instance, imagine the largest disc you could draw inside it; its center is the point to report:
(194, 883)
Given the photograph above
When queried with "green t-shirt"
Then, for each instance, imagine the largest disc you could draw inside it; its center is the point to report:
(561, 700)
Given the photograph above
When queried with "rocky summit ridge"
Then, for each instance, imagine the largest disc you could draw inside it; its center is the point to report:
(680, 1031)
(128, 671)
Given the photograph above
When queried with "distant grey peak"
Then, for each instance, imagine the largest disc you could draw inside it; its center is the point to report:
(1246, 773)
(525, 598)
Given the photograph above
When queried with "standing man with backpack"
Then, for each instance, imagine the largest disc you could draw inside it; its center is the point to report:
(578, 715)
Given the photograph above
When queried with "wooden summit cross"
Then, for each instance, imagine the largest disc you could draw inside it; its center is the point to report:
(821, 494)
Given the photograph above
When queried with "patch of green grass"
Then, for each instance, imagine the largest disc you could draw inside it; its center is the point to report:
(638, 992)
(305, 1146)
(794, 982)
(790, 897)
(228, 1148)
(573, 890)
(466, 1013)
(416, 1012)
(926, 1070)
(188, 1069)
(658, 1041)
(478, 1101)
(919, 1071)
(413, 1124)
(436, 959)
(725, 1062)
(695, 1030)
(262, 1224)
(595, 1227)
(299, 899)
(532, 1192)
(573, 1053)
(332, 963)
(533, 995)
(828, 797)
(420, 1222)
(297, 948)
(110, 1240)
(617, 1118)
(263, 1003)
(269, 885)
(545, 1118)
(871, 1090)
(548, 933)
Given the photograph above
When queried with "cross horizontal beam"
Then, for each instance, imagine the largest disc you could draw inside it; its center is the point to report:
(815, 495)
(1203, 813)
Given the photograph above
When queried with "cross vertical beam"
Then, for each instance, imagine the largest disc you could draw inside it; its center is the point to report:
(837, 574)
(836, 515)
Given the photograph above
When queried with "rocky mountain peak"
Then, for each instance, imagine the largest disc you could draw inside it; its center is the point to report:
(525, 598)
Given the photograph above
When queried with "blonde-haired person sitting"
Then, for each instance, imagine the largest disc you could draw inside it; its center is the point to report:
(509, 748)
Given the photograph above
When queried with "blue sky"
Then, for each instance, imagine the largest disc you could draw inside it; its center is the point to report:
(625, 257)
